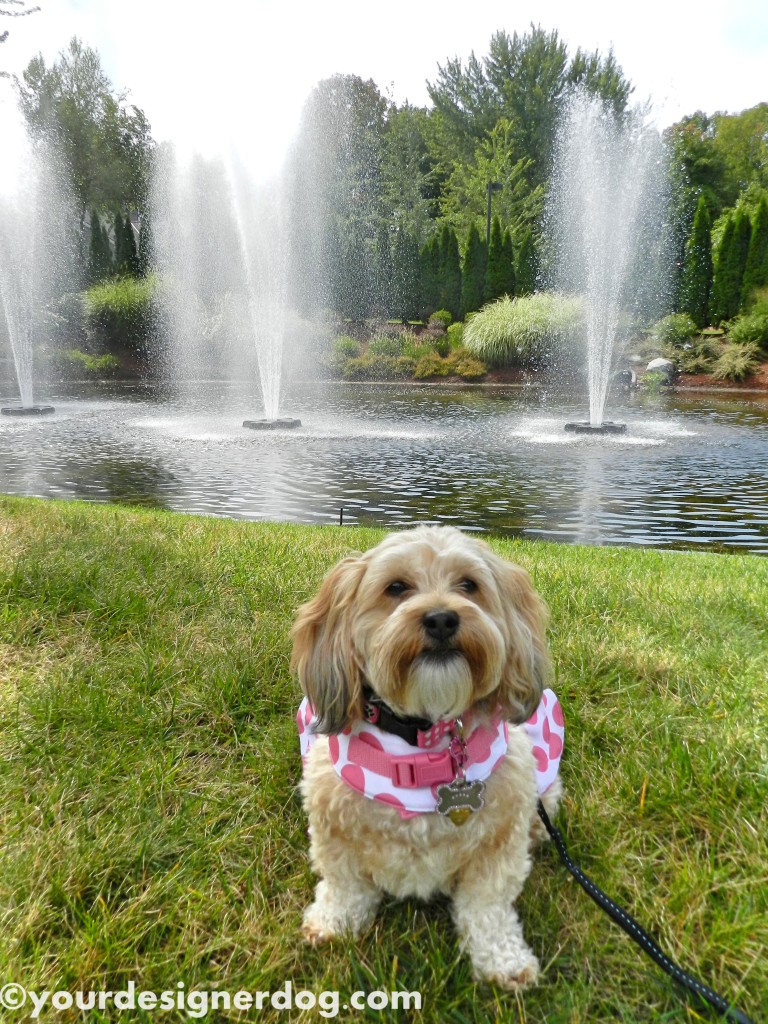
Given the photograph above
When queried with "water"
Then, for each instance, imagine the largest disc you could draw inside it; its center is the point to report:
(606, 217)
(219, 244)
(690, 473)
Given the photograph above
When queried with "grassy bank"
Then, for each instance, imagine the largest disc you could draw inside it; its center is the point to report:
(150, 825)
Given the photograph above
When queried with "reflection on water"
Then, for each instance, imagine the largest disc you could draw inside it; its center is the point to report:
(689, 472)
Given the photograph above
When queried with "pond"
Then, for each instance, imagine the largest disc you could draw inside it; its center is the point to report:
(691, 471)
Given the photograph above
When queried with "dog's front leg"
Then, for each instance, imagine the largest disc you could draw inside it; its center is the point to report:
(345, 900)
(488, 924)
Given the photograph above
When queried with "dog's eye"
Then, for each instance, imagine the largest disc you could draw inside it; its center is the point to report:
(397, 589)
(468, 586)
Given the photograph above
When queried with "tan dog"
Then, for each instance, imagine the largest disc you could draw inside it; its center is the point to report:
(429, 625)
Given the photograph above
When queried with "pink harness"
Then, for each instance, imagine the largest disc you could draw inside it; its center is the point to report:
(386, 767)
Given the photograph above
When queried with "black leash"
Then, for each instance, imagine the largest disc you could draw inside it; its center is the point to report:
(638, 934)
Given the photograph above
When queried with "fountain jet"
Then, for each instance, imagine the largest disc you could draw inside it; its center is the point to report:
(606, 203)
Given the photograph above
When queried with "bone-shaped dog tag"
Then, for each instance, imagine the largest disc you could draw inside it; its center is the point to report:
(459, 799)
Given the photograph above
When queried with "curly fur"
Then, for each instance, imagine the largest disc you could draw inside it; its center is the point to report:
(360, 630)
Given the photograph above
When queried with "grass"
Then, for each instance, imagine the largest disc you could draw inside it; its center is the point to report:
(523, 330)
(150, 826)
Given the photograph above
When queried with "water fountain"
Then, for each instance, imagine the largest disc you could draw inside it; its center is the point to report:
(220, 246)
(607, 206)
(36, 236)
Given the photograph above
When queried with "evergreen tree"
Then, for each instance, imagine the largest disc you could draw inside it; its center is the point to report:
(430, 276)
(98, 255)
(121, 255)
(697, 270)
(508, 264)
(496, 275)
(106, 245)
(723, 281)
(756, 270)
(129, 246)
(143, 253)
(450, 272)
(406, 276)
(742, 237)
(473, 274)
(383, 285)
(526, 265)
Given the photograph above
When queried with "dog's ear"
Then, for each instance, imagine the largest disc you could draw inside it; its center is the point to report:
(323, 655)
(528, 666)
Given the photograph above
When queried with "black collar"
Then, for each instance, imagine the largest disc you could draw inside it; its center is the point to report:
(380, 714)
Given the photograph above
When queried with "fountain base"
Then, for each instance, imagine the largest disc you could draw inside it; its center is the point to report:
(284, 424)
(606, 427)
(27, 410)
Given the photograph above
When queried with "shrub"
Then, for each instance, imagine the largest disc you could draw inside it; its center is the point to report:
(119, 313)
(737, 362)
(524, 330)
(699, 357)
(385, 345)
(463, 364)
(441, 316)
(750, 329)
(456, 335)
(675, 328)
(431, 365)
(373, 367)
(73, 360)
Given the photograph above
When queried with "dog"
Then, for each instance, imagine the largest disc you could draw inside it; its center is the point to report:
(420, 662)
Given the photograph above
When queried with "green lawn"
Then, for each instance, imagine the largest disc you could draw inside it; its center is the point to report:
(150, 827)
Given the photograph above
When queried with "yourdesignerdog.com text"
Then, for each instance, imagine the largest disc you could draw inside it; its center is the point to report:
(29, 1003)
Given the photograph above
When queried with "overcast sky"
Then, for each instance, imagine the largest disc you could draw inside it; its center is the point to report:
(205, 72)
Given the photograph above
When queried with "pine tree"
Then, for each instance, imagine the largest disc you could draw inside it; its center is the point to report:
(143, 254)
(129, 246)
(526, 265)
(509, 264)
(450, 272)
(98, 255)
(756, 270)
(121, 256)
(697, 270)
(496, 277)
(430, 276)
(723, 281)
(742, 238)
(106, 245)
(383, 285)
(473, 273)
(406, 275)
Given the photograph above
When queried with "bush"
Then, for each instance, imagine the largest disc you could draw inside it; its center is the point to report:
(431, 365)
(524, 330)
(119, 313)
(385, 345)
(441, 316)
(750, 329)
(456, 335)
(373, 367)
(346, 347)
(675, 328)
(74, 361)
(737, 362)
(463, 364)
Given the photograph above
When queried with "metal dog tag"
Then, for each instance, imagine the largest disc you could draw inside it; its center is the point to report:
(459, 799)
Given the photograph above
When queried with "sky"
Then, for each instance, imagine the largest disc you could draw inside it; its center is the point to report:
(206, 73)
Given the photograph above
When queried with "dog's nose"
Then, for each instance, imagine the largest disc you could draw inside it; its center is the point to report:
(441, 625)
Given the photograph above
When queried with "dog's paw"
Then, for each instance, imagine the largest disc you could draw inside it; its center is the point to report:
(315, 933)
(514, 977)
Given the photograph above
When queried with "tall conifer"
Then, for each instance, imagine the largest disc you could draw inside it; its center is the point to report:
(473, 272)
(495, 275)
(450, 272)
(508, 265)
(756, 269)
(526, 265)
(697, 270)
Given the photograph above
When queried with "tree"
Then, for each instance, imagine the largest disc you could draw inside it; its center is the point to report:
(16, 13)
(99, 253)
(508, 264)
(449, 291)
(525, 79)
(473, 272)
(497, 271)
(409, 180)
(697, 270)
(724, 279)
(430, 276)
(105, 144)
(526, 265)
(406, 271)
(756, 269)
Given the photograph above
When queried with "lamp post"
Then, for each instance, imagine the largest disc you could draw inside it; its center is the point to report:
(493, 186)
